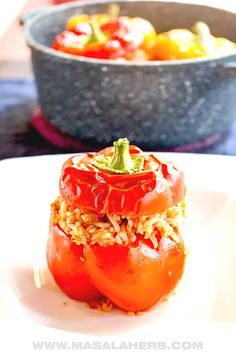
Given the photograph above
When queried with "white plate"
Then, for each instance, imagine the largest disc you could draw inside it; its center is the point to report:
(205, 299)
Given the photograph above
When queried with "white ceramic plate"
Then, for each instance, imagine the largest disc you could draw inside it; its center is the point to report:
(205, 301)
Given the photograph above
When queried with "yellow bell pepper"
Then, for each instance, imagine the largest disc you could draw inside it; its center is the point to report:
(149, 34)
(186, 44)
(177, 44)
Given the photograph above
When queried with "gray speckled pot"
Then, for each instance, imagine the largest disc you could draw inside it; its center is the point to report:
(154, 104)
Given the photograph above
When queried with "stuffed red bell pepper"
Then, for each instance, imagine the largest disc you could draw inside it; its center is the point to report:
(115, 228)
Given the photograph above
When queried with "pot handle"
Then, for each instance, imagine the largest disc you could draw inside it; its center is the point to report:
(228, 69)
(30, 14)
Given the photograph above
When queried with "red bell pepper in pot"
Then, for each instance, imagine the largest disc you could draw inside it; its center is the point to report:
(106, 36)
(114, 39)
(115, 227)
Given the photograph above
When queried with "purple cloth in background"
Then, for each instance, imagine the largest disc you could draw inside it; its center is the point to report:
(19, 138)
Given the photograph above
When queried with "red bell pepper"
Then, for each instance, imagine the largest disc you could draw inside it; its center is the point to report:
(122, 182)
(146, 192)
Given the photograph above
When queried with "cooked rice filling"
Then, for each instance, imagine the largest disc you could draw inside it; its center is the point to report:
(84, 226)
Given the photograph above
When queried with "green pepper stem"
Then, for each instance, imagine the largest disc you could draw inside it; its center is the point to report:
(97, 35)
(121, 160)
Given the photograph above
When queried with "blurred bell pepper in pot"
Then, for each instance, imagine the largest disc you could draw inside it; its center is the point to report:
(109, 36)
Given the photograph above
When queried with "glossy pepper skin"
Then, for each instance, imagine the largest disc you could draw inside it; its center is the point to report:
(186, 44)
(177, 44)
(102, 36)
(134, 278)
(147, 192)
(66, 262)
